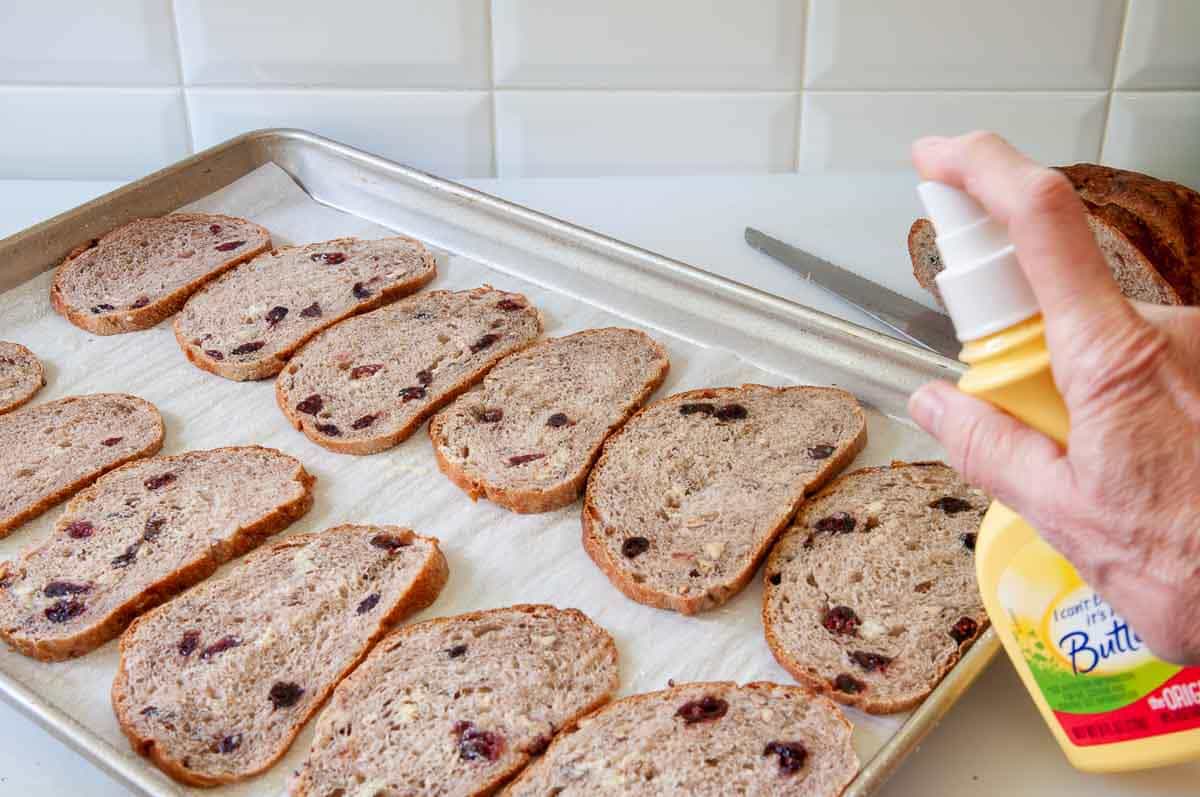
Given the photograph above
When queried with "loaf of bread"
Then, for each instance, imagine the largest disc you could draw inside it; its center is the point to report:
(214, 685)
(140, 535)
(528, 435)
(871, 595)
(367, 383)
(143, 271)
(687, 498)
(458, 705)
(701, 739)
(53, 450)
(21, 375)
(1147, 229)
(248, 322)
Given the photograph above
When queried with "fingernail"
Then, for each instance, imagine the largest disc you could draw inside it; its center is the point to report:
(926, 407)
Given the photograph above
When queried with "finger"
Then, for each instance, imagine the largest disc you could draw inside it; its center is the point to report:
(991, 449)
(1048, 226)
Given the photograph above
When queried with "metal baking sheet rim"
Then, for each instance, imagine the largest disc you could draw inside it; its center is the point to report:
(42, 246)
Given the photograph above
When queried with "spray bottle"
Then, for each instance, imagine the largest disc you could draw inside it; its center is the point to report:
(1110, 703)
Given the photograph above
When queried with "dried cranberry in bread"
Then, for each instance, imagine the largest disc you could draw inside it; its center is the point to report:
(528, 435)
(21, 375)
(458, 705)
(688, 496)
(367, 383)
(214, 685)
(871, 595)
(53, 450)
(701, 739)
(138, 536)
(1147, 229)
(246, 324)
(143, 271)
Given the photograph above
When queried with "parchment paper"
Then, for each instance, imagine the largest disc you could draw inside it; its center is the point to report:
(496, 558)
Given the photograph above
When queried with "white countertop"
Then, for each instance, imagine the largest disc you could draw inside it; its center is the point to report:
(993, 742)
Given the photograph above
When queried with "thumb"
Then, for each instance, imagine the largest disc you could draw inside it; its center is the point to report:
(1008, 460)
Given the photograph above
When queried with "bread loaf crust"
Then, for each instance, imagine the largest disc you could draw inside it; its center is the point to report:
(118, 320)
(1148, 231)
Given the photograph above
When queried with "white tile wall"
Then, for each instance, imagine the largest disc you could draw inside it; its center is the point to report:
(666, 44)
(579, 87)
(589, 133)
(952, 44)
(446, 132)
(1157, 133)
(849, 131)
(394, 44)
(1162, 45)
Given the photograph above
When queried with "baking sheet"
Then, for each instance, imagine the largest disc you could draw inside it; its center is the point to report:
(496, 558)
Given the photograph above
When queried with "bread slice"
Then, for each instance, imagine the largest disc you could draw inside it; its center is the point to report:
(367, 383)
(214, 685)
(21, 375)
(53, 450)
(458, 705)
(871, 595)
(246, 324)
(701, 739)
(143, 271)
(527, 437)
(688, 496)
(140, 535)
(1147, 229)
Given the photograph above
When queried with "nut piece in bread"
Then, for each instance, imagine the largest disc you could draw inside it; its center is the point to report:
(701, 739)
(687, 498)
(21, 375)
(139, 535)
(528, 435)
(143, 271)
(458, 705)
(366, 384)
(871, 595)
(248, 322)
(214, 685)
(54, 450)
(1147, 229)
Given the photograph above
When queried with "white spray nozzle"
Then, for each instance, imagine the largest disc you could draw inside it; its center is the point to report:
(982, 284)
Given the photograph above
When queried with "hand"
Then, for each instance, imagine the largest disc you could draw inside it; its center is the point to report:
(1122, 502)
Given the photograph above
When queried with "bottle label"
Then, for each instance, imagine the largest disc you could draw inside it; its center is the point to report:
(1102, 683)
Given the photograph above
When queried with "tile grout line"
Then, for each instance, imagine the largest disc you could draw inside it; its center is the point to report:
(187, 105)
(1112, 83)
(805, 14)
(491, 46)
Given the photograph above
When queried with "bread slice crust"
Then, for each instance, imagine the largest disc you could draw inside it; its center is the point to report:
(263, 367)
(198, 568)
(787, 560)
(422, 592)
(564, 491)
(21, 375)
(608, 558)
(604, 652)
(116, 455)
(657, 776)
(130, 318)
(432, 393)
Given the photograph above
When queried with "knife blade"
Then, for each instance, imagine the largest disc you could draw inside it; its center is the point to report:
(910, 320)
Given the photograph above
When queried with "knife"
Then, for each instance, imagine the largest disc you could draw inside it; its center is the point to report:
(910, 320)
